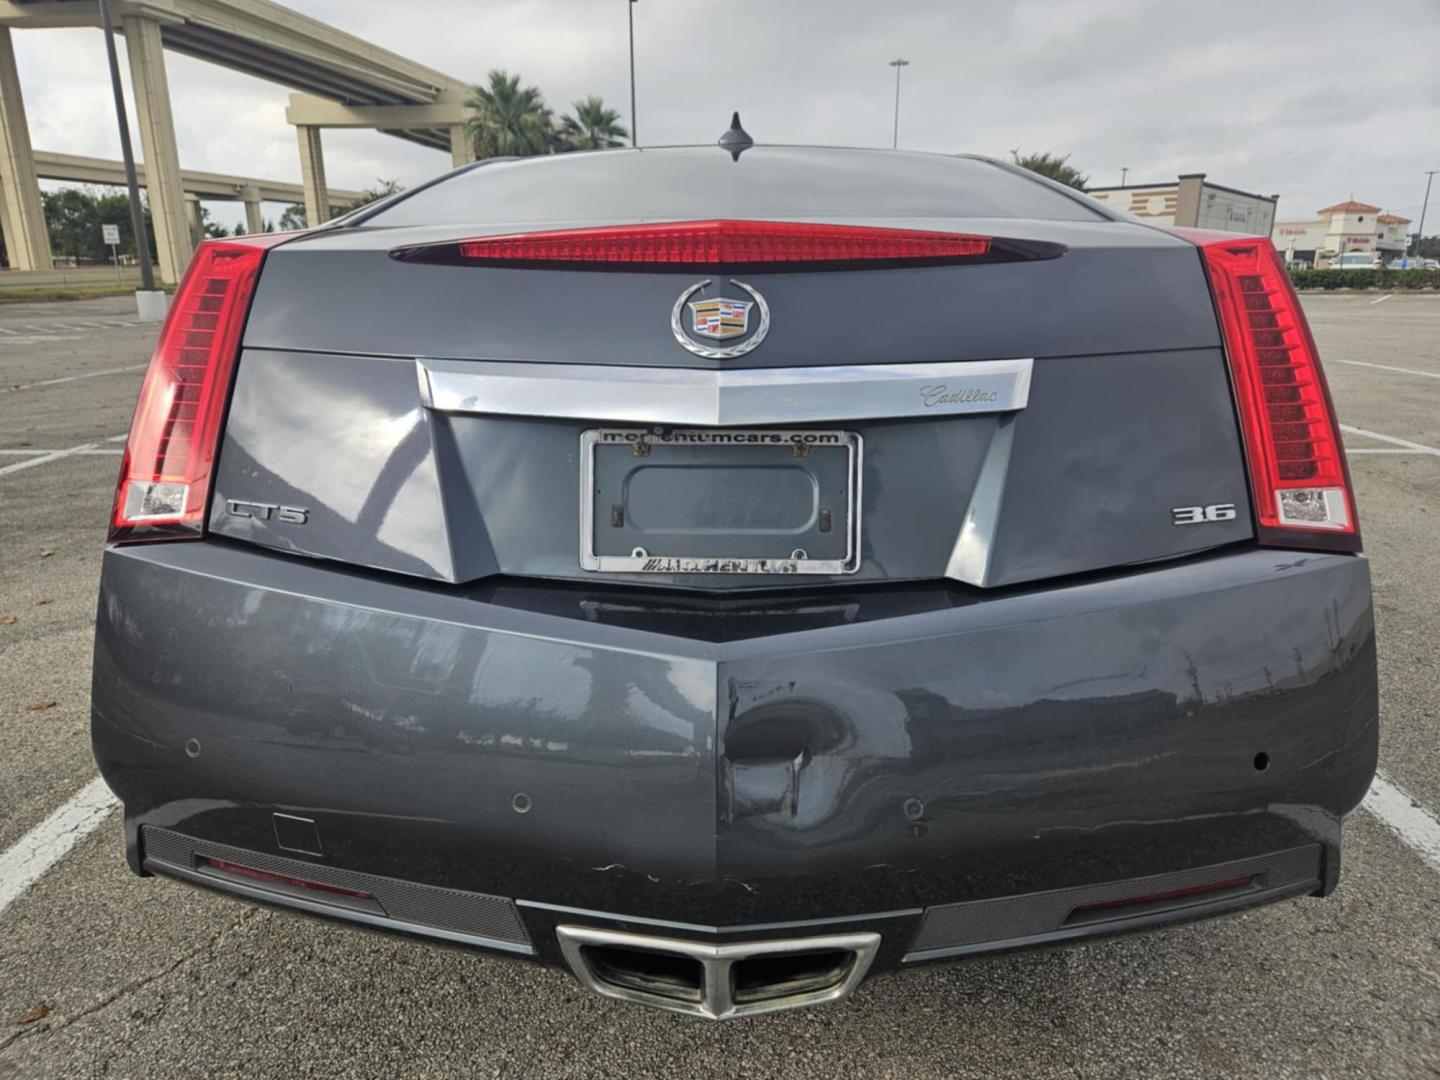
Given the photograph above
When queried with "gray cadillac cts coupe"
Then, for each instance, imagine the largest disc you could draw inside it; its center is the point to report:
(730, 572)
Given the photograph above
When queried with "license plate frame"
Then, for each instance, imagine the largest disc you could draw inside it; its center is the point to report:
(642, 561)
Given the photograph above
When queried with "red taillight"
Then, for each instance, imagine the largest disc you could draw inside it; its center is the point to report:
(730, 245)
(1298, 475)
(165, 475)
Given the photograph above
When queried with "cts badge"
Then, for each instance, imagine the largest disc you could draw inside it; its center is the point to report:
(291, 515)
(695, 323)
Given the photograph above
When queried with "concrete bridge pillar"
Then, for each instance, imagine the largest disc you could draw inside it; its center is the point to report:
(254, 223)
(27, 241)
(157, 143)
(312, 175)
(194, 218)
(462, 147)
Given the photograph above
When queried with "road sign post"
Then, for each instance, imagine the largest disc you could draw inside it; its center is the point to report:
(110, 234)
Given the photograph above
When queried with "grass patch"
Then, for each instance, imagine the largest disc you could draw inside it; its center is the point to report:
(66, 292)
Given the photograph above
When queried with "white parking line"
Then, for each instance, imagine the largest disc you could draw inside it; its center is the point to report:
(1377, 450)
(1413, 447)
(116, 450)
(49, 842)
(72, 378)
(6, 470)
(1406, 818)
(1387, 367)
(47, 456)
(1382, 299)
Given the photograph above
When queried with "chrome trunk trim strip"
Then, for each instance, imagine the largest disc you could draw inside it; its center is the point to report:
(723, 398)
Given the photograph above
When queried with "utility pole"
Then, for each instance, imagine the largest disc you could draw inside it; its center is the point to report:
(897, 64)
(1124, 172)
(634, 134)
(1420, 229)
(137, 215)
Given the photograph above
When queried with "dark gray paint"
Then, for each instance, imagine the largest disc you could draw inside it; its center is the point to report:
(1091, 479)
(692, 752)
(1120, 288)
(1051, 738)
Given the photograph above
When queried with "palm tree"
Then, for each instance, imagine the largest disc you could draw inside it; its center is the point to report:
(509, 120)
(592, 126)
(1055, 166)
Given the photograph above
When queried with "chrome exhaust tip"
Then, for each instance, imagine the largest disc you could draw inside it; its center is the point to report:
(719, 982)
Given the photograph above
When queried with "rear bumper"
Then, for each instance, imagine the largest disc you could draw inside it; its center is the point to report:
(913, 764)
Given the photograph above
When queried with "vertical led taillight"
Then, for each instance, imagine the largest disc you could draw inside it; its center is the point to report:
(165, 475)
(1298, 473)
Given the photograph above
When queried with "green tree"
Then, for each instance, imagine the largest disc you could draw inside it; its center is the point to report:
(1056, 166)
(293, 218)
(509, 120)
(114, 209)
(74, 215)
(73, 221)
(592, 126)
(213, 230)
(382, 189)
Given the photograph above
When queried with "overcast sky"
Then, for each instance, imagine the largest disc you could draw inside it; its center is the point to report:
(1313, 100)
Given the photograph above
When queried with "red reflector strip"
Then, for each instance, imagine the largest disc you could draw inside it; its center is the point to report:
(1169, 894)
(283, 879)
(164, 480)
(726, 242)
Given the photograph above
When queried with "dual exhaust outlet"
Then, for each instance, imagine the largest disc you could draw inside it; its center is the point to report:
(719, 982)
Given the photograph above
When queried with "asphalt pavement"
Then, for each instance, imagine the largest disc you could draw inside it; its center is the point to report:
(102, 973)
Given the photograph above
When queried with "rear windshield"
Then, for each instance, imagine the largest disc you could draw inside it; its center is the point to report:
(703, 182)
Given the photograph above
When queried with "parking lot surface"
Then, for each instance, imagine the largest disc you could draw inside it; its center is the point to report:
(151, 978)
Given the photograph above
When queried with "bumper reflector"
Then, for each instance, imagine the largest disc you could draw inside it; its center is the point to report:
(1158, 897)
(265, 876)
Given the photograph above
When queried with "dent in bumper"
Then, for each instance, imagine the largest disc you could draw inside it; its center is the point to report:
(1032, 741)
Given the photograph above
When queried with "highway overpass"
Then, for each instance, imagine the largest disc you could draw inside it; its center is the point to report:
(341, 80)
(197, 185)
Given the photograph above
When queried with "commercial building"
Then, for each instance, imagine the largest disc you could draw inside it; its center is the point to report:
(1340, 229)
(1193, 202)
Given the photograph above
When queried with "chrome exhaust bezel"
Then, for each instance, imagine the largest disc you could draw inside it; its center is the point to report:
(717, 1000)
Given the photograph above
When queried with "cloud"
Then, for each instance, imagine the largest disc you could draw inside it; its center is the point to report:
(1288, 96)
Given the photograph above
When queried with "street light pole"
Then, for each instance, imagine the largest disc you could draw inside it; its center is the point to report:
(897, 64)
(1420, 229)
(630, 11)
(137, 215)
(1124, 172)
